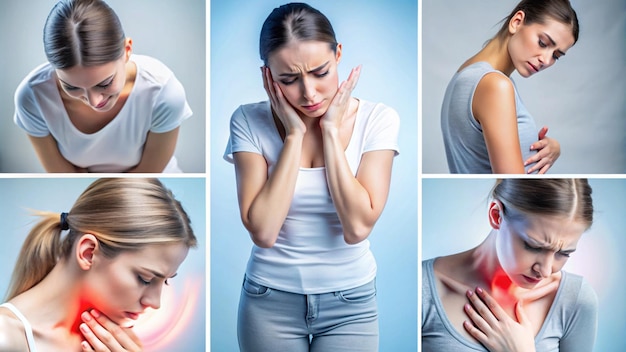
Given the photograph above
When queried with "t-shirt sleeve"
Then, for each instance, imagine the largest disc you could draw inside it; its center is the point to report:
(28, 115)
(241, 138)
(170, 107)
(382, 132)
(580, 329)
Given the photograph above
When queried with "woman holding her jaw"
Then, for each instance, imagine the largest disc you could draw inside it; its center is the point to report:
(510, 293)
(94, 107)
(83, 277)
(486, 128)
(313, 167)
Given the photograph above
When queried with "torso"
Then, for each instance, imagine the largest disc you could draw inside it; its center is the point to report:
(453, 282)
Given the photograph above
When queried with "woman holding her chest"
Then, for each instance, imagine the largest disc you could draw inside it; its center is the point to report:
(510, 293)
(95, 107)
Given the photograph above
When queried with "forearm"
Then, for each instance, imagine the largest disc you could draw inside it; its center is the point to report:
(352, 201)
(268, 210)
(50, 157)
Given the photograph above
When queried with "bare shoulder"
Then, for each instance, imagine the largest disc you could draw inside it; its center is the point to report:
(494, 93)
(12, 335)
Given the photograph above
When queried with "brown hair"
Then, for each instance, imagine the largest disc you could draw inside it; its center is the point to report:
(123, 214)
(565, 197)
(537, 11)
(294, 21)
(82, 32)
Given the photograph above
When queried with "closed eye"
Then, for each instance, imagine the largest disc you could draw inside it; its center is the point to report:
(531, 248)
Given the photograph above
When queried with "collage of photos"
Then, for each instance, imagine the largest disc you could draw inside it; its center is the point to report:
(318, 176)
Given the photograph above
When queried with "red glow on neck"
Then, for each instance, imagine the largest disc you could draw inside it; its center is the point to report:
(83, 306)
(501, 282)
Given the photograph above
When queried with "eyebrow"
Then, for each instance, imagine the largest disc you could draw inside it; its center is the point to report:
(159, 275)
(542, 245)
(553, 43)
(101, 83)
(319, 68)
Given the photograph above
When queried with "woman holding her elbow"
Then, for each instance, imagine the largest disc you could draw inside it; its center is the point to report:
(313, 167)
(486, 128)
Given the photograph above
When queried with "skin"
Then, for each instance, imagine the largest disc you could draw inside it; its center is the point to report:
(315, 119)
(499, 293)
(86, 302)
(527, 49)
(92, 97)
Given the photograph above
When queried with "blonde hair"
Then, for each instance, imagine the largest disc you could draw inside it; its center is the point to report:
(123, 214)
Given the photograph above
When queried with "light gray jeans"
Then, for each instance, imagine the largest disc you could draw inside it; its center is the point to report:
(272, 320)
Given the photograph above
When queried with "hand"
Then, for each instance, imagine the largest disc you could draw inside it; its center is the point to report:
(341, 101)
(285, 112)
(103, 335)
(494, 328)
(548, 150)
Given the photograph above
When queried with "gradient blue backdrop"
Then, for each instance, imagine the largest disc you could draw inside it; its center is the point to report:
(383, 37)
(454, 219)
(59, 194)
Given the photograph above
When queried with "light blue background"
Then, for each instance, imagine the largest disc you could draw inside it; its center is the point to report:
(383, 37)
(58, 195)
(580, 98)
(454, 219)
(173, 32)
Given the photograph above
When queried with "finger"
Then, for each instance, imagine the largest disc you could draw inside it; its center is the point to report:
(478, 321)
(92, 339)
(120, 335)
(475, 332)
(482, 309)
(540, 144)
(545, 168)
(353, 79)
(491, 303)
(542, 132)
(86, 347)
(521, 315)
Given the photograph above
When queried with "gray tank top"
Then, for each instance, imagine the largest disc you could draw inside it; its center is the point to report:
(466, 150)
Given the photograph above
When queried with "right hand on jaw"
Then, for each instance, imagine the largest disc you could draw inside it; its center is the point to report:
(285, 112)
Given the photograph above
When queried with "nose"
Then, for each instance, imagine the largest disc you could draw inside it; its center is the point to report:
(152, 298)
(94, 98)
(544, 265)
(308, 90)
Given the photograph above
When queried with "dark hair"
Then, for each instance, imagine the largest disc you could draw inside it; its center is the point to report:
(294, 21)
(82, 32)
(565, 197)
(536, 11)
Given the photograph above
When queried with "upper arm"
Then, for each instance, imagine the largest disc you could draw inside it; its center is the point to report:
(49, 155)
(157, 151)
(251, 172)
(374, 174)
(493, 106)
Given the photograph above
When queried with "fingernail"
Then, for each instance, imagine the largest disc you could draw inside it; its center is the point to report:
(479, 290)
(469, 293)
(95, 313)
(84, 345)
(84, 327)
(86, 316)
(467, 306)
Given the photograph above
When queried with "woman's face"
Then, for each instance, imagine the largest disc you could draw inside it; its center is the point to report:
(535, 47)
(124, 286)
(534, 248)
(306, 72)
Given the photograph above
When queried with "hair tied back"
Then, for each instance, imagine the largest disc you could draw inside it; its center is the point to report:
(64, 224)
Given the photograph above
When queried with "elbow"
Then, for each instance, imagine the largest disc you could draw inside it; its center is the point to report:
(356, 235)
(263, 241)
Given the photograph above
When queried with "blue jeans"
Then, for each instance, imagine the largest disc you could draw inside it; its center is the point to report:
(273, 320)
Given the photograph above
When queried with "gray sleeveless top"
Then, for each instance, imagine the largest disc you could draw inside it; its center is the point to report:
(570, 325)
(466, 150)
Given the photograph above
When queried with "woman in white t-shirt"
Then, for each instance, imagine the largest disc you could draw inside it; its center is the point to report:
(313, 168)
(94, 107)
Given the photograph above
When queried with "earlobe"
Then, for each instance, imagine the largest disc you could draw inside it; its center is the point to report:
(495, 214)
(86, 247)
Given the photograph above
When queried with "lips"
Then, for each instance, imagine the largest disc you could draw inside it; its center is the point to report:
(313, 107)
(131, 315)
(533, 68)
(103, 103)
(531, 280)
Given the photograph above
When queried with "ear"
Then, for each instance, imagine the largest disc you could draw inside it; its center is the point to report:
(495, 214)
(516, 21)
(128, 49)
(338, 53)
(86, 247)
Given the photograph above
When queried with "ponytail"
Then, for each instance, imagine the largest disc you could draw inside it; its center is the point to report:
(39, 254)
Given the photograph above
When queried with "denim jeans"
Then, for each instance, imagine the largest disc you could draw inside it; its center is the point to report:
(272, 320)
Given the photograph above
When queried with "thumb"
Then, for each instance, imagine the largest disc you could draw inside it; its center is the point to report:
(520, 314)
(542, 132)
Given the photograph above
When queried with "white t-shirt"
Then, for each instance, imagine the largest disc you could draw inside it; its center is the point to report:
(156, 103)
(310, 255)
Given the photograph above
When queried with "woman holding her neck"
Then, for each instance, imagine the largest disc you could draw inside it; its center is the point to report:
(510, 293)
(95, 106)
(486, 128)
(83, 277)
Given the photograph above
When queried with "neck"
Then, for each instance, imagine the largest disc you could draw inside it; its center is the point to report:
(496, 53)
(56, 302)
